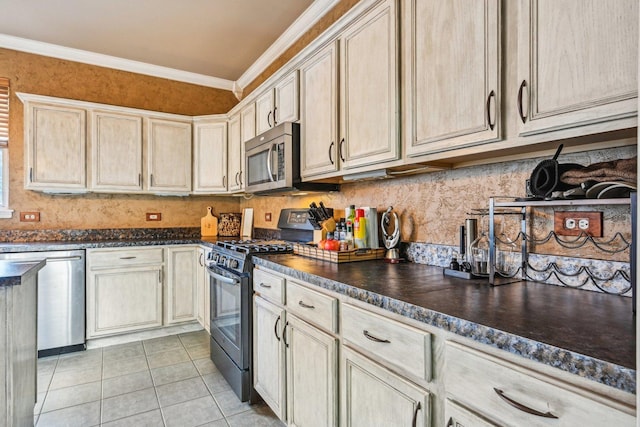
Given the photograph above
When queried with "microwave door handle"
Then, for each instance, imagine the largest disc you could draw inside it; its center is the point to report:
(269, 163)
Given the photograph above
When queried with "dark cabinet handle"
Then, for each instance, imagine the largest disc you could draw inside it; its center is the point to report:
(236, 178)
(139, 180)
(201, 260)
(340, 149)
(414, 423)
(330, 151)
(275, 122)
(520, 107)
(492, 94)
(269, 118)
(375, 339)
(240, 178)
(275, 328)
(303, 305)
(522, 407)
(224, 181)
(450, 422)
(284, 334)
(262, 285)
(30, 174)
(151, 180)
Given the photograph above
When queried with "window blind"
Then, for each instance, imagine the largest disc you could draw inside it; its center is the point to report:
(4, 112)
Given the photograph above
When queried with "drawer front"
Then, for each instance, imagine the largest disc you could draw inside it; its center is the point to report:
(405, 347)
(268, 285)
(116, 258)
(506, 393)
(314, 307)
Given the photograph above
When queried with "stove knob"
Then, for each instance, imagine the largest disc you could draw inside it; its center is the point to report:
(233, 263)
(222, 260)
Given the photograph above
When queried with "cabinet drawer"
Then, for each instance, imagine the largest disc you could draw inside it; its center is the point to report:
(124, 257)
(486, 383)
(405, 347)
(268, 286)
(312, 306)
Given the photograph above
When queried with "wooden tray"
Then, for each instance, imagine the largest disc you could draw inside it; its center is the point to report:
(338, 256)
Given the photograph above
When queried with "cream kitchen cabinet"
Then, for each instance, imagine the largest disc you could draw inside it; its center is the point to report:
(235, 155)
(319, 113)
(210, 156)
(168, 156)
(295, 350)
(55, 147)
(368, 104)
(505, 393)
(451, 74)
(204, 304)
(248, 122)
(374, 396)
(181, 286)
(577, 65)
(124, 290)
(278, 104)
(269, 355)
(458, 416)
(116, 152)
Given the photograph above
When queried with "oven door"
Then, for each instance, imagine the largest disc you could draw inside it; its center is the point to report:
(230, 313)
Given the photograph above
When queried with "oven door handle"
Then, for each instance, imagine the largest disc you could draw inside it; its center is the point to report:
(222, 278)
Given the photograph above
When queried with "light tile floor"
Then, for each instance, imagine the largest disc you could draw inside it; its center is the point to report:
(168, 381)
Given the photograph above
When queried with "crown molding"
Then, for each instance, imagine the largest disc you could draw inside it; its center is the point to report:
(304, 22)
(86, 57)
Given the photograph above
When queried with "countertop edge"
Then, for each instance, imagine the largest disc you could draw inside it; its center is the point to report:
(597, 370)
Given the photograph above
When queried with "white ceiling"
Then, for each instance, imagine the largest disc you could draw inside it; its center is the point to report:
(211, 42)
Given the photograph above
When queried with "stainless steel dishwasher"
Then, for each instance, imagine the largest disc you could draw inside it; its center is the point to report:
(61, 299)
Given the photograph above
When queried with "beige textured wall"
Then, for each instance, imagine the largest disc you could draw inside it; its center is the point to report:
(55, 77)
(432, 206)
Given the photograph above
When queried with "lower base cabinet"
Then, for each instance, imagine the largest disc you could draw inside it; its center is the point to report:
(375, 396)
(458, 416)
(312, 374)
(268, 355)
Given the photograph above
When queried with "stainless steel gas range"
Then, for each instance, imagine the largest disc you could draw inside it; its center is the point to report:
(230, 267)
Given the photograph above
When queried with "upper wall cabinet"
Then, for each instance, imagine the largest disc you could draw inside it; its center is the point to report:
(248, 122)
(235, 155)
(369, 131)
(451, 74)
(278, 104)
(116, 152)
(319, 113)
(210, 156)
(577, 65)
(169, 156)
(55, 148)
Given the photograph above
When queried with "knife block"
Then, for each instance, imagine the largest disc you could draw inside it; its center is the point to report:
(319, 235)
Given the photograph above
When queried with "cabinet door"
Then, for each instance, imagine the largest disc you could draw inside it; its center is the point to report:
(286, 99)
(248, 122)
(268, 354)
(577, 64)
(451, 94)
(181, 284)
(56, 148)
(168, 156)
(369, 89)
(122, 300)
(319, 113)
(374, 396)
(210, 158)
(312, 375)
(116, 152)
(201, 283)
(236, 154)
(264, 112)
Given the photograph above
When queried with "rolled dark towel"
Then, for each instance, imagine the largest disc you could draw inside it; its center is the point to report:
(615, 170)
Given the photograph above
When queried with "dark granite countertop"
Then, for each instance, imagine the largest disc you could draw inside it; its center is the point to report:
(119, 243)
(586, 333)
(12, 273)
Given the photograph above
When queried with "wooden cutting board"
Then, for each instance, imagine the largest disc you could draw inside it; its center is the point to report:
(209, 224)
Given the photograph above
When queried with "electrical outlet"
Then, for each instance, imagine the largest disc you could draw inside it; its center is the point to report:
(154, 216)
(576, 223)
(267, 217)
(29, 216)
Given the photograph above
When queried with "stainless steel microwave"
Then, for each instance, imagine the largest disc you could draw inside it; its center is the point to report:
(272, 163)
